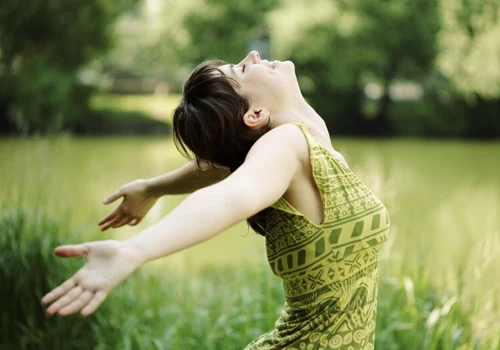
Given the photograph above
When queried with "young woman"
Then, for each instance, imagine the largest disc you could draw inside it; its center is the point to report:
(262, 154)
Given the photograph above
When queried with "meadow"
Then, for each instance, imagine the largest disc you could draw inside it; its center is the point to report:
(439, 285)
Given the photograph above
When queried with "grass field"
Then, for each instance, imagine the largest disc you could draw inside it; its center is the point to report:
(439, 286)
(158, 107)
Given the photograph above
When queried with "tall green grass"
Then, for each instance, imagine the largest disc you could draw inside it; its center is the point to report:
(28, 270)
(438, 275)
(223, 308)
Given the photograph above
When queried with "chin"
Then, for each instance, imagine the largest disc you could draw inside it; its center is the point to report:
(290, 68)
(290, 63)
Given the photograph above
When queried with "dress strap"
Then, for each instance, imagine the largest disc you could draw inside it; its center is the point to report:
(318, 168)
(314, 144)
(306, 132)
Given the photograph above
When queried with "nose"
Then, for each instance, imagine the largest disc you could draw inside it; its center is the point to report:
(253, 57)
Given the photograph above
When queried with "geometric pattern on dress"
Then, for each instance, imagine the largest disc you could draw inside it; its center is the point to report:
(329, 271)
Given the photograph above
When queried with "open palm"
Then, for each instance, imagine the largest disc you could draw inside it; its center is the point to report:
(137, 201)
(107, 265)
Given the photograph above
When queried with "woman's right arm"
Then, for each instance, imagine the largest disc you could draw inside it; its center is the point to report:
(269, 168)
(139, 196)
(186, 179)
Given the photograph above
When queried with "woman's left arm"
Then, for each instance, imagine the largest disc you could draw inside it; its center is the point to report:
(259, 182)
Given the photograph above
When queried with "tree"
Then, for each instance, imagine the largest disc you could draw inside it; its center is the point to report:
(225, 29)
(43, 44)
(347, 43)
(151, 43)
(469, 46)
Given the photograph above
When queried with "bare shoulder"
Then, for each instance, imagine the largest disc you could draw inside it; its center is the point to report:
(286, 139)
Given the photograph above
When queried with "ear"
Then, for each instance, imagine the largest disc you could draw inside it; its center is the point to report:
(256, 118)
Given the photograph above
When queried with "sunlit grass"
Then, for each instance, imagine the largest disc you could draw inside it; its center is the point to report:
(159, 107)
(210, 308)
(439, 286)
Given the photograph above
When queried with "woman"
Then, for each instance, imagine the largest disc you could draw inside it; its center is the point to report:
(264, 154)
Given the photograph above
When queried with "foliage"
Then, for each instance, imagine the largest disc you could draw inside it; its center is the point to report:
(164, 40)
(164, 310)
(338, 47)
(151, 42)
(42, 46)
(28, 270)
(469, 46)
(438, 286)
(349, 43)
(52, 52)
(225, 30)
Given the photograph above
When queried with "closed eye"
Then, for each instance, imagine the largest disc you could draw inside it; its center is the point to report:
(233, 66)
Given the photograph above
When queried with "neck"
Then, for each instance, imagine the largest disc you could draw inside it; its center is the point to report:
(299, 112)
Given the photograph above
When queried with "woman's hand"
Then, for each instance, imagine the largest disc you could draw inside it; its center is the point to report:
(137, 201)
(107, 264)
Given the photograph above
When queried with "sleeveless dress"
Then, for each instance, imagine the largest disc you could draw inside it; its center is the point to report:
(329, 271)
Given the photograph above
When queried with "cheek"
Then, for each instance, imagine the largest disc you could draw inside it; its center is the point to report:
(261, 86)
(256, 84)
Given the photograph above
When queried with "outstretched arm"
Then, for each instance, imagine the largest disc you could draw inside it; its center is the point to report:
(186, 179)
(262, 179)
(139, 196)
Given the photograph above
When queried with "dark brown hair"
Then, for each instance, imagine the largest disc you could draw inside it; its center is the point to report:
(208, 123)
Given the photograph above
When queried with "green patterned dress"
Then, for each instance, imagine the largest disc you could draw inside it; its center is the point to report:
(329, 271)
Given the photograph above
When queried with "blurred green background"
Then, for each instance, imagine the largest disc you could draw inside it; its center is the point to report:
(410, 91)
(393, 67)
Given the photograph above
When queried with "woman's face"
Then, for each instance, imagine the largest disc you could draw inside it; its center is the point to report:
(267, 84)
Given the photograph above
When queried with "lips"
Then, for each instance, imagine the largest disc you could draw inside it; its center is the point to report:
(271, 65)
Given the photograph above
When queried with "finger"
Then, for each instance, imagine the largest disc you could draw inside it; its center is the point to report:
(109, 216)
(112, 197)
(57, 292)
(135, 222)
(124, 221)
(65, 300)
(77, 304)
(111, 223)
(93, 304)
(70, 250)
